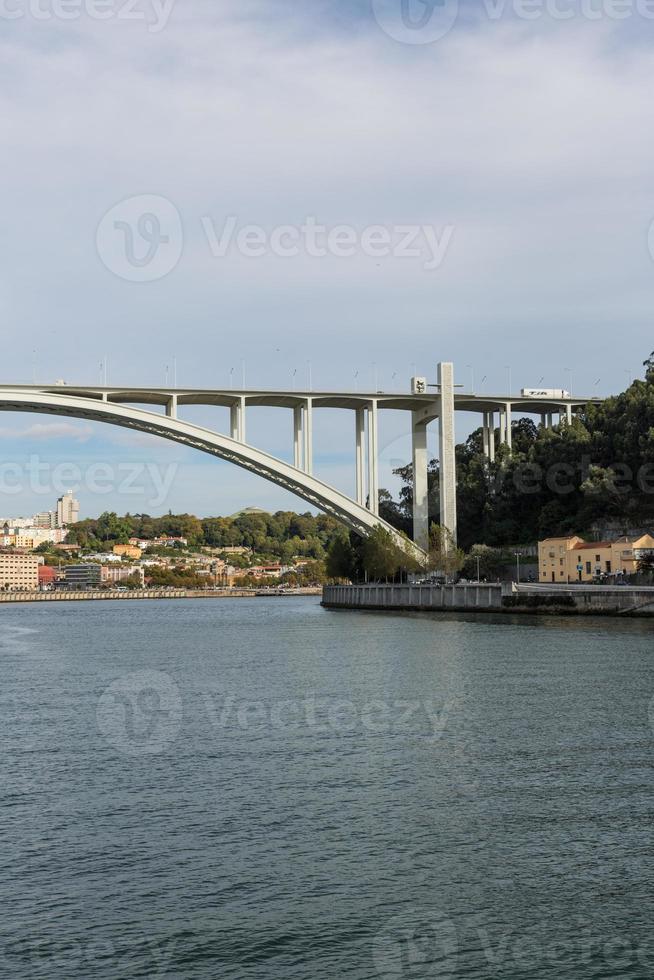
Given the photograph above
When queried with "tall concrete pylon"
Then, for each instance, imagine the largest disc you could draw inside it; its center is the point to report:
(447, 443)
(443, 408)
(420, 482)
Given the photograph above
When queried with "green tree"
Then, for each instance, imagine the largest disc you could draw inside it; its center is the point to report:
(443, 556)
(646, 564)
(342, 559)
(649, 368)
(110, 527)
(489, 562)
(44, 548)
(382, 558)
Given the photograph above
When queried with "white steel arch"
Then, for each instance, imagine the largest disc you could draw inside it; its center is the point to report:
(321, 495)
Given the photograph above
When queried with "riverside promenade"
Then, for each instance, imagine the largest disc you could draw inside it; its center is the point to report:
(481, 597)
(621, 600)
(553, 600)
(144, 594)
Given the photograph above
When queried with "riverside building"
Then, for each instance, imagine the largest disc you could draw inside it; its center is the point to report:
(19, 573)
(82, 577)
(571, 559)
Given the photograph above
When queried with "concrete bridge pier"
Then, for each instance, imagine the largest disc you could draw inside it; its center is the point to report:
(506, 434)
(237, 419)
(447, 442)
(360, 434)
(298, 443)
(420, 482)
(565, 415)
(444, 410)
(488, 436)
(307, 436)
(373, 457)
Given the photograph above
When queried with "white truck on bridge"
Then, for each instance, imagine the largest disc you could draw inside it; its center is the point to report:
(545, 393)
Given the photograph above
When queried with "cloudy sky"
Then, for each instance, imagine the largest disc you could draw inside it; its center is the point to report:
(164, 160)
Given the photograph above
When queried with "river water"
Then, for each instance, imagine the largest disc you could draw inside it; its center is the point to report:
(265, 789)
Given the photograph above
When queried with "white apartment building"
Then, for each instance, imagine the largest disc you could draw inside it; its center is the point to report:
(46, 519)
(67, 510)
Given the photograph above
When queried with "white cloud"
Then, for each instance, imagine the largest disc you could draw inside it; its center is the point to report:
(45, 431)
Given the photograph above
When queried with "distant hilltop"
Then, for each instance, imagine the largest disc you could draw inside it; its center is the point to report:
(250, 512)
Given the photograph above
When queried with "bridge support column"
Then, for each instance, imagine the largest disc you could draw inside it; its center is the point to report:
(485, 435)
(297, 437)
(237, 418)
(567, 417)
(447, 449)
(373, 460)
(171, 407)
(491, 437)
(420, 484)
(506, 435)
(360, 428)
(307, 432)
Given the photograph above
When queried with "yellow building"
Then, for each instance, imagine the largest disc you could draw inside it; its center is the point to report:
(19, 573)
(25, 541)
(572, 559)
(128, 551)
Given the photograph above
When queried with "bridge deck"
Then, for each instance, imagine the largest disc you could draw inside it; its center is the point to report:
(463, 402)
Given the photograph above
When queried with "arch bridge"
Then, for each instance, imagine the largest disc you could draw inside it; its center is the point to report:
(132, 408)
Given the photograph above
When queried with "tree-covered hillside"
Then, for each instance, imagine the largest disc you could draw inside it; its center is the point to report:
(281, 535)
